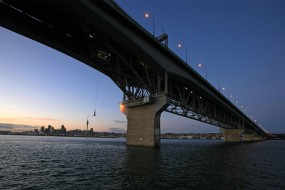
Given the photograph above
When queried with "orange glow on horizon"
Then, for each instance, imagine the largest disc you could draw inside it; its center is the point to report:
(26, 124)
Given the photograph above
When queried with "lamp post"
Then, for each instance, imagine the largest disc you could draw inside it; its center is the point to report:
(224, 89)
(218, 83)
(180, 45)
(148, 15)
(201, 65)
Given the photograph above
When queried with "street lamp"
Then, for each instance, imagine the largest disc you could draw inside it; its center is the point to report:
(228, 92)
(148, 15)
(201, 65)
(224, 89)
(219, 84)
(186, 51)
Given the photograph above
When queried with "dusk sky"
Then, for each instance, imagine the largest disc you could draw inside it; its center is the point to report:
(241, 43)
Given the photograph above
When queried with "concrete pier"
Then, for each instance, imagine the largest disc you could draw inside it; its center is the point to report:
(247, 137)
(143, 121)
(232, 135)
(238, 135)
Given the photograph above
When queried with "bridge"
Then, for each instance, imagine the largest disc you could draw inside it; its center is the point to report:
(152, 78)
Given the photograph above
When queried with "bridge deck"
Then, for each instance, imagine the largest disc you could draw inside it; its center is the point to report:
(101, 35)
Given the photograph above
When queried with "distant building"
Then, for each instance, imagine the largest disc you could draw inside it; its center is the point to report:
(42, 130)
(36, 131)
(49, 128)
(62, 128)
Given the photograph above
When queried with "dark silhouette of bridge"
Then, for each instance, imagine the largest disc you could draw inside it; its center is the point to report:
(152, 78)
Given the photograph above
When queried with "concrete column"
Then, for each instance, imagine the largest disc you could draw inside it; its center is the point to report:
(143, 125)
(232, 135)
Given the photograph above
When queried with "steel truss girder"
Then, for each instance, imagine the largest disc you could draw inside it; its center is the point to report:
(135, 78)
(186, 102)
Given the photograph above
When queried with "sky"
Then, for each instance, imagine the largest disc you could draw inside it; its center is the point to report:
(241, 44)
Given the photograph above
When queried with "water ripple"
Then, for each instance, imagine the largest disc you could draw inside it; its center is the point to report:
(87, 163)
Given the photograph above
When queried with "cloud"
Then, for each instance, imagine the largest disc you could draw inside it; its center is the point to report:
(6, 126)
(119, 121)
(117, 130)
(41, 118)
(17, 127)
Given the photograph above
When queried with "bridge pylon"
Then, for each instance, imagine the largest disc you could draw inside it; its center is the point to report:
(240, 135)
(233, 135)
(143, 120)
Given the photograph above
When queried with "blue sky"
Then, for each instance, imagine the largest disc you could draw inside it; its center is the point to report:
(241, 43)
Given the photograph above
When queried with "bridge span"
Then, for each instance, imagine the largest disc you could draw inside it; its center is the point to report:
(152, 78)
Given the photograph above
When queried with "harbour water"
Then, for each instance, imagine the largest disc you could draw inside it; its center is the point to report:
(39, 162)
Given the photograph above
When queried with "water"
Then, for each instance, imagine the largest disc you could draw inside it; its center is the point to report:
(31, 162)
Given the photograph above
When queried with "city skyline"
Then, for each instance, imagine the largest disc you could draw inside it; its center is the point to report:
(241, 44)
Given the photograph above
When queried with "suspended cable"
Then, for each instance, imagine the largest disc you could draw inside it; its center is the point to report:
(96, 94)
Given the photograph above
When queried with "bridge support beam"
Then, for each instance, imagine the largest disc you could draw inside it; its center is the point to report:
(143, 121)
(232, 135)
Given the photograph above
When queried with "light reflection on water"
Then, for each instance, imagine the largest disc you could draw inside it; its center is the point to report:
(89, 163)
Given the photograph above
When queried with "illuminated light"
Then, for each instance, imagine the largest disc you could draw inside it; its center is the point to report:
(151, 15)
(244, 110)
(200, 97)
(146, 15)
(251, 116)
(103, 55)
(241, 106)
(231, 96)
(181, 45)
(224, 88)
(13, 7)
(35, 18)
(122, 107)
(186, 88)
(68, 35)
(91, 36)
(191, 92)
(200, 65)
